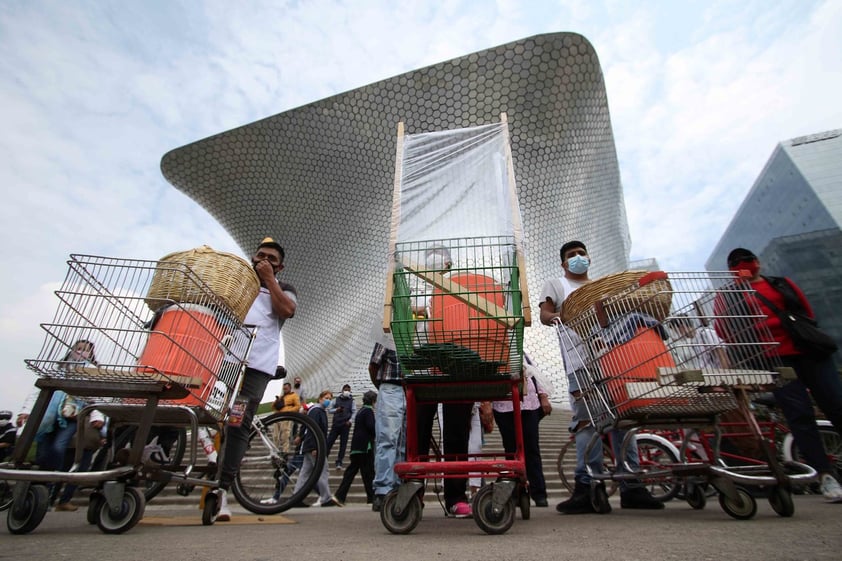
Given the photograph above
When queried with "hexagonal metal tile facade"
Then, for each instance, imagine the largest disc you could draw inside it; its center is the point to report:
(319, 178)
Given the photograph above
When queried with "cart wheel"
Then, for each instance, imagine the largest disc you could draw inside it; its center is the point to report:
(211, 509)
(94, 503)
(744, 508)
(403, 522)
(781, 500)
(524, 504)
(24, 518)
(129, 512)
(487, 519)
(599, 499)
(696, 497)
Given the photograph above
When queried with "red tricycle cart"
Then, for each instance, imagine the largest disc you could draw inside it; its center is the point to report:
(456, 307)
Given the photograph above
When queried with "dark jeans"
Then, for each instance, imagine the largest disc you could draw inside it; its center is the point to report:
(342, 431)
(236, 438)
(825, 385)
(531, 447)
(457, 429)
(362, 462)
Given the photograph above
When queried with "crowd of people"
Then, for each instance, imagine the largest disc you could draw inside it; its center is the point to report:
(377, 428)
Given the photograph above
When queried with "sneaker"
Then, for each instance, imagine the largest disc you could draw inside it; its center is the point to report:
(269, 501)
(639, 498)
(377, 503)
(224, 514)
(579, 502)
(339, 467)
(461, 510)
(830, 489)
(541, 502)
(70, 507)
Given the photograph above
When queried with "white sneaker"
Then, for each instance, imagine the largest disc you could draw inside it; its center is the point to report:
(831, 489)
(224, 514)
(269, 501)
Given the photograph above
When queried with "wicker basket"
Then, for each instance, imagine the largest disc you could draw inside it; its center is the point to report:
(621, 292)
(231, 278)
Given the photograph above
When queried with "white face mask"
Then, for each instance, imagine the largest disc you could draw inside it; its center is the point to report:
(346, 393)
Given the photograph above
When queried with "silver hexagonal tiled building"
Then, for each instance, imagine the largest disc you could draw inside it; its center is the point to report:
(319, 178)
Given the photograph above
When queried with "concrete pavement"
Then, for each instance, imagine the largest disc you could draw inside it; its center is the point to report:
(354, 532)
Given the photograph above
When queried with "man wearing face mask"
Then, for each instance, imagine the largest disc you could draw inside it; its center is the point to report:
(576, 262)
(814, 373)
(299, 389)
(343, 411)
(275, 303)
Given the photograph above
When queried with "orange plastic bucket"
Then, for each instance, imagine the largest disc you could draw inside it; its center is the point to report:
(453, 321)
(636, 360)
(185, 346)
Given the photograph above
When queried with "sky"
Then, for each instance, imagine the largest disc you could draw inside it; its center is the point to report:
(93, 93)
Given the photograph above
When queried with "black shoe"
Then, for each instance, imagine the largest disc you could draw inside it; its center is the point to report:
(377, 503)
(579, 502)
(541, 502)
(639, 498)
(300, 504)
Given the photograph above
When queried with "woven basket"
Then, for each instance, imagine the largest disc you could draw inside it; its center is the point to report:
(620, 291)
(231, 278)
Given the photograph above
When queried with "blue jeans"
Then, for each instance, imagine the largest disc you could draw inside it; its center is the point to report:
(616, 436)
(821, 378)
(390, 437)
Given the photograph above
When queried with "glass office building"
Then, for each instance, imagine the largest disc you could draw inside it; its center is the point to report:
(791, 219)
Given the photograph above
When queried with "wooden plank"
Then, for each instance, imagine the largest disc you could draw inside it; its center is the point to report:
(393, 230)
(517, 223)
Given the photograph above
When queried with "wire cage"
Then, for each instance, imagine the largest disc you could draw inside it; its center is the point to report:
(103, 333)
(456, 309)
(634, 363)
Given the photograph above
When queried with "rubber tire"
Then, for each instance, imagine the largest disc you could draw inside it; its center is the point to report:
(484, 515)
(36, 503)
(569, 447)
(131, 511)
(268, 462)
(781, 500)
(407, 521)
(211, 509)
(652, 452)
(697, 498)
(524, 504)
(599, 499)
(94, 503)
(176, 454)
(745, 509)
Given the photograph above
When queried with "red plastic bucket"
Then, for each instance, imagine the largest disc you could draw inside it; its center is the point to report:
(636, 360)
(185, 346)
(453, 321)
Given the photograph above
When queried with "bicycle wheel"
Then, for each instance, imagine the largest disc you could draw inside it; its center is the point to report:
(566, 466)
(5, 494)
(832, 445)
(269, 479)
(173, 443)
(654, 454)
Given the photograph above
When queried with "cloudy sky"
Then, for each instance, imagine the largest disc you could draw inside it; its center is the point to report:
(92, 94)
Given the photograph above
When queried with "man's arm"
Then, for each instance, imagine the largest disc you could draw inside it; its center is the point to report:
(282, 303)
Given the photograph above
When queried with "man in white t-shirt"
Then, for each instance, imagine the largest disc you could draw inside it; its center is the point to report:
(275, 303)
(575, 262)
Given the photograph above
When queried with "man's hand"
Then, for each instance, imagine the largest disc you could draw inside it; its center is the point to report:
(265, 272)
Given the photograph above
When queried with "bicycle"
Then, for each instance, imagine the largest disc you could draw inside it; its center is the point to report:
(654, 451)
